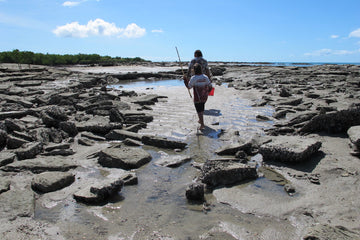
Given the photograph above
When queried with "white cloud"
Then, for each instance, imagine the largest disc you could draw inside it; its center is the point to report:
(133, 31)
(334, 36)
(74, 3)
(355, 33)
(157, 31)
(70, 4)
(98, 27)
(328, 52)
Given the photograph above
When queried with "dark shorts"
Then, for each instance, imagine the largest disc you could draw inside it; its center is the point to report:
(200, 107)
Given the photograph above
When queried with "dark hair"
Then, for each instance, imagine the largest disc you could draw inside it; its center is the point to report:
(198, 53)
(197, 69)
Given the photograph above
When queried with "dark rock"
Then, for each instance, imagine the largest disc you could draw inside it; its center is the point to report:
(195, 192)
(52, 181)
(40, 164)
(279, 131)
(303, 117)
(138, 118)
(285, 92)
(98, 126)
(6, 158)
(123, 157)
(290, 189)
(132, 142)
(53, 115)
(217, 71)
(334, 122)
(240, 155)
(46, 135)
(69, 128)
(14, 125)
(173, 161)
(118, 134)
(292, 102)
(85, 142)
(116, 116)
(99, 192)
(162, 142)
(51, 147)
(61, 152)
(3, 139)
(23, 135)
(92, 136)
(262, 118)
(218, 173)
(149, 99)
(289, 149)
(14, 114)
(233, 148)
(14, 142)
(29, 150)
(280, 114)
(312, 95)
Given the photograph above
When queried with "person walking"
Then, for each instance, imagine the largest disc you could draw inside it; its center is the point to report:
(198, 58)
(201, 85)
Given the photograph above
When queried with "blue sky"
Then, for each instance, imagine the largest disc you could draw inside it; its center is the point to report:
(226, 30)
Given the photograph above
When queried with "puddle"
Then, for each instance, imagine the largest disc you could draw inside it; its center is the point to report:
(147, 84)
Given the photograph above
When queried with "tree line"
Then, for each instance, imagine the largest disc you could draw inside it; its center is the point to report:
(27, 57)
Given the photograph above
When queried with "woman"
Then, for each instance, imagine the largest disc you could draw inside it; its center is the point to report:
(202, 86)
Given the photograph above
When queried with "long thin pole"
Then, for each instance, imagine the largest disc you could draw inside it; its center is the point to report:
(182, 68)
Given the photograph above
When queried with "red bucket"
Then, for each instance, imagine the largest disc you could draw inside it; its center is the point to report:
(211, 93)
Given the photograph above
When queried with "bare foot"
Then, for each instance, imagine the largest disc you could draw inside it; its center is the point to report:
(202, 127)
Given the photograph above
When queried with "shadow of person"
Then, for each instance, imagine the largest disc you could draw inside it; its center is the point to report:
(212, 112)
(209, 132)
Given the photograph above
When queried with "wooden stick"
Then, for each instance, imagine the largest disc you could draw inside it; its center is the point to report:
(182, 70)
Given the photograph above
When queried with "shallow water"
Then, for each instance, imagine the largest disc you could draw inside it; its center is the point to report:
(156, 208)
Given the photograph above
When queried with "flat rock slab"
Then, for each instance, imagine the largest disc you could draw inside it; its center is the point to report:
(123, 157)
(29, 150)
(354, 135)
(163, 142)
(52, 181)
(233, 148)
(219, 173)
(6, 158)
(333, 122)
(289, 149)
(39, 165)
(149, 99)
(118, 134)
(99, 192)
(173, 161)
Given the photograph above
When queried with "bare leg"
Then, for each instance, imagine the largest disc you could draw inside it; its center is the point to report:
(201, 120)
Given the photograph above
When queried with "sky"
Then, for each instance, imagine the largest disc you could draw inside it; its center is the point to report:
(224, 30)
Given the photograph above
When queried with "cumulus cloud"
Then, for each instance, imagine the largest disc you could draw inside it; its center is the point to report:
(98, 27)
(334, 36)
(355, 33)
(327, 52)
(70, 4)
(74, 3)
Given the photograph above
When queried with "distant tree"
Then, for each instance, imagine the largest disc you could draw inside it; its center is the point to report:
(27, 57)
